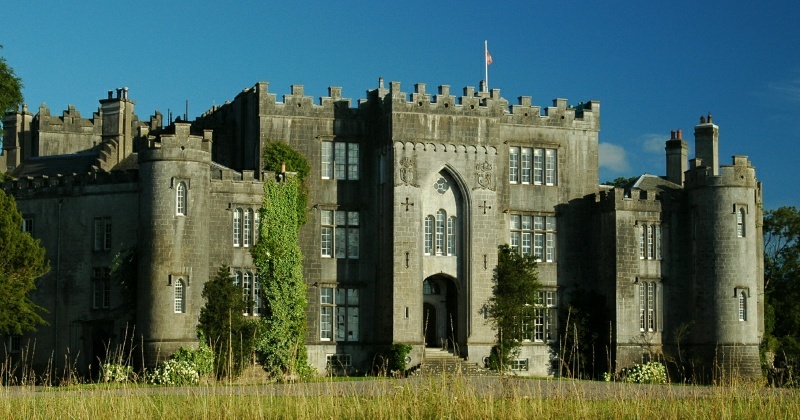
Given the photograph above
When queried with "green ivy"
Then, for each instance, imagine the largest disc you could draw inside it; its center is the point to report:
(277, 153)
(280, 342)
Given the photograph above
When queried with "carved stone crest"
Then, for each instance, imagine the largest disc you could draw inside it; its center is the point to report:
(407, 171)
(484, 173)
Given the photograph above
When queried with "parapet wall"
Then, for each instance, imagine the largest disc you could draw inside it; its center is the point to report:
(631, 200)
(68, 184)
(471, 104)
(740, 174)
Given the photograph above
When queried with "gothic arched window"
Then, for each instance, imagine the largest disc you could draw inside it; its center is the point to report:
(181, 199)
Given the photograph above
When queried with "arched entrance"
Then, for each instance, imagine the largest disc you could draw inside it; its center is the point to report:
(440, 312)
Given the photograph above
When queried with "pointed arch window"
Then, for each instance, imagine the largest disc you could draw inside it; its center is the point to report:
(181, 199)
(428, 234)
(180, 297)
(237, 227)
(441, 217)
(451, 235)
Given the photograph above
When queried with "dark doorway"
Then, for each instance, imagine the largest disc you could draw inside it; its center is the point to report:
(429, 326)
(101, 336)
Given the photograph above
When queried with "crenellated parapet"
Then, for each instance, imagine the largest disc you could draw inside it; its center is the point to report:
(179, 145)
(472, 103)
(68, 184)
(619, 199)
(740, 174)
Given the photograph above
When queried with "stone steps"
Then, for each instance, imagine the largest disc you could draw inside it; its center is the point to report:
(441, 362)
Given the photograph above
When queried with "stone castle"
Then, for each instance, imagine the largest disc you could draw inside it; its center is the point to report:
(410, 197)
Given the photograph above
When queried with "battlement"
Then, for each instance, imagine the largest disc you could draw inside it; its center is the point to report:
(178, 145)
(616, 199)
(472, 103)
(69, 184)
(740, 173)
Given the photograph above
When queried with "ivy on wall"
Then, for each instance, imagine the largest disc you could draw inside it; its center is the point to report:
(281, 340)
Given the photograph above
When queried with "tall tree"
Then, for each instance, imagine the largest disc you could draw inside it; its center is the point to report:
(10, 87)
(22, 261)
(782, 278)
(515, 298)
(229, 335)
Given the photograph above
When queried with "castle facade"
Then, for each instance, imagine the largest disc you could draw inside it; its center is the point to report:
(410, 197)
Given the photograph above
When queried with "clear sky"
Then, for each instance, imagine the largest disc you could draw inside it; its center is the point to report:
(654, 66)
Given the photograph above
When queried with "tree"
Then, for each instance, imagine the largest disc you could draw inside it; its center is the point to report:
(782, 277)
(227, 332)
(22, 261)
(516, 295)
(621, 181)
(10, 90)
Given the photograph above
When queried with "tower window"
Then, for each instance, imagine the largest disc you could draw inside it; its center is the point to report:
(740, 218)
(181, 199)
(180, 297)
(742, 306)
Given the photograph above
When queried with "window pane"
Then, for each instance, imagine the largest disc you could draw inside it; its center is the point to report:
(325, 319)
(340, 242)
(352, 324)
(340, 160)
(352, 161)
(326, 168)
(428, 234)
(550, 167)
(326, 295)
(326, 242)
(526, 165)
(246, 231)
(451, 236)
(352, 243)
(237, 218)
(538, 167)
(341, 329)
(513, 165)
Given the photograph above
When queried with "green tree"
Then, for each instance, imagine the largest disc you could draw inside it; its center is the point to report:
(515, 297)
(782, 283)
(227, 332)
(10, 90)
(621, 181)
(281, 342)
(22, 261)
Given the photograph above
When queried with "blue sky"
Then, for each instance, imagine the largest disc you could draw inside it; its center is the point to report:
(654, 67)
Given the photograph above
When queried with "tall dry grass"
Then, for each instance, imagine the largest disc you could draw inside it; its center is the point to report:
(421, 397)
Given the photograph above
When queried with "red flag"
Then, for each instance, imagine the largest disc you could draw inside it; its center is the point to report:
(488, 58)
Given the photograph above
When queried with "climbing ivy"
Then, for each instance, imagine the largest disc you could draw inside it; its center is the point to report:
(277, 153)
(281, 341)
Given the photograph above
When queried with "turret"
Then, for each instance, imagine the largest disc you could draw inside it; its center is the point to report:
(677, 155)
(174, 244)
(706, 138)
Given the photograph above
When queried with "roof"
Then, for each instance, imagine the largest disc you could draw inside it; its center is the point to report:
(60, 164)
(649, 182)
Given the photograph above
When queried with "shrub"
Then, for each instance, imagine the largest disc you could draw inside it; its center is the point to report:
(115, 372)
(174, 373)
(399, 352)
(647, 373)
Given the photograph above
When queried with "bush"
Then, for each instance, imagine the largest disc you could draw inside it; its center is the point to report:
(648, 373)
(201, 358)
(397, 360)
(174, 373)
(115, 372)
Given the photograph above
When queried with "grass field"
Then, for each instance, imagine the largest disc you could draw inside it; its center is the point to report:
(421, 397)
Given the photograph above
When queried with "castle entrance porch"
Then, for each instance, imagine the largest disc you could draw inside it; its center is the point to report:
(440, 312)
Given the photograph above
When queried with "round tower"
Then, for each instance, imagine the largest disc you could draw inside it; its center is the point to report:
(174, 243)
(726, 254)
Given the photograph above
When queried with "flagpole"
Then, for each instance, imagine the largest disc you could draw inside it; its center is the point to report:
(486, 63)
